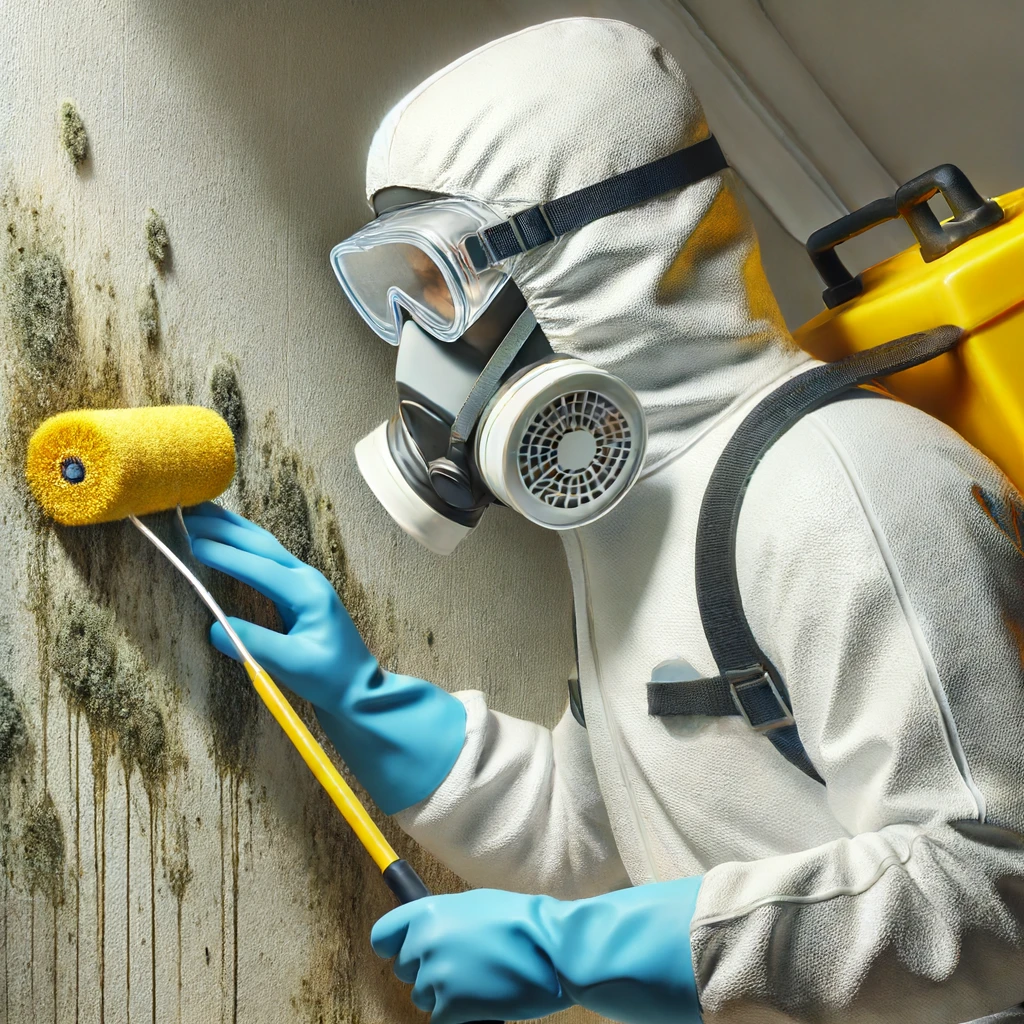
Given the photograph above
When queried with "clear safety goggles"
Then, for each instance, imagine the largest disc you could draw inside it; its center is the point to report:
(443, 261)
(427, 260)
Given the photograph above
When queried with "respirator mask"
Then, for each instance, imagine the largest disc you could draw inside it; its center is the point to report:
(487, 412)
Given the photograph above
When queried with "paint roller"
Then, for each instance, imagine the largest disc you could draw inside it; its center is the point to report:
(100, 465)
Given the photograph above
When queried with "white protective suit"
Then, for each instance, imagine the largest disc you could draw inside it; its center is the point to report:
(873, 578)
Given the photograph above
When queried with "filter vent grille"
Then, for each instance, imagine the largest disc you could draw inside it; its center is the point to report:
(539, 468)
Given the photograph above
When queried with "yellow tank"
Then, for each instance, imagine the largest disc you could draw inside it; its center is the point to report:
(978, 388)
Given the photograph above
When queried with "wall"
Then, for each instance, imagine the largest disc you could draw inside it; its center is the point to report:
(165, 856)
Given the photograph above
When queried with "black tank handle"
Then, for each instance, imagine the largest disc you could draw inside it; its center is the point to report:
(971, 214)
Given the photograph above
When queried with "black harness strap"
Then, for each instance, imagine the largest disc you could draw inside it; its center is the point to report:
(547, 221)
(749, 685)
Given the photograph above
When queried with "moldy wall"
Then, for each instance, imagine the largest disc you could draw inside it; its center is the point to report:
(172, 176)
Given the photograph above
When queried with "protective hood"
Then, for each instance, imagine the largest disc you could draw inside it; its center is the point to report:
(669, 295)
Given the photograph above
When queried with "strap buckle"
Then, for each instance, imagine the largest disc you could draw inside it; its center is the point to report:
(532, 228)
(757, 699)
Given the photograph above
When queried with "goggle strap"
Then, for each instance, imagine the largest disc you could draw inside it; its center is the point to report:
(545, 222)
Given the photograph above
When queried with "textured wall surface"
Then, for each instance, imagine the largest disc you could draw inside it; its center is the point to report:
(165, 855)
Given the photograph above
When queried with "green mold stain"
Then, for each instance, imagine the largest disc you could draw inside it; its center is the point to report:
(42, 309)
(278, 492)
(104, 677)
(13, 742)
(227, 396)
(50, 373)
(179, 870)
(158, 241)
(13, 734)
(279, 502)
(233, 705)
(179, 876)
(43, 848)
(72, 133)
(149, 316)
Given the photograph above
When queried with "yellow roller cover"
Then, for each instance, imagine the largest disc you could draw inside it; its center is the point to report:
(98, 465)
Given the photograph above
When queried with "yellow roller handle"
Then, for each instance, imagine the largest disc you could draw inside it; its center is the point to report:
(320, 765)
(401, 879)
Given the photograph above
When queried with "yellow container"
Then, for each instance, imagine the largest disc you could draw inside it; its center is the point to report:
(978, 388)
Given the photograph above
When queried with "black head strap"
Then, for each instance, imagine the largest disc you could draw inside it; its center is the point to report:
(547, 221)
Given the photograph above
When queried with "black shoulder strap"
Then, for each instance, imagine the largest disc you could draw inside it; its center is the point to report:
(748, 683)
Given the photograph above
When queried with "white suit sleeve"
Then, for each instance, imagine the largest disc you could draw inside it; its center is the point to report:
(521, 809)
(880, 566)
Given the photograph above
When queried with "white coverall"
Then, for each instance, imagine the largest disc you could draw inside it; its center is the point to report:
(871, 574)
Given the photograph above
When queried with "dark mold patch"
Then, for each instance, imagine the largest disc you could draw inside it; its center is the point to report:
(42, 309)
(149, 316)
(233, 706)
(179, 870)
(227, 397)
(13, 742)
(43, 846)
(345, 981)
(49, 373)
(280, 504)
(158, 241)
(232, 703)
(282, 497)
(104, 677)
(376, 625)
(72, 133)
(13, 734)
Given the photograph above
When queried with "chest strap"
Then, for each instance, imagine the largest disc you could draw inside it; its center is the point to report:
(748, 684)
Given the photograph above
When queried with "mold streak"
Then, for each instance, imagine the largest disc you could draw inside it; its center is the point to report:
(127, 899)
(7, 966)
(223, 902)
(152, 908)
(54, 966)
(78, 865)
(44, 672)
(99, 824)
(179, 875)
(235, 788)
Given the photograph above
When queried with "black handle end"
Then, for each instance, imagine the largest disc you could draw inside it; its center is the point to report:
(401, 878)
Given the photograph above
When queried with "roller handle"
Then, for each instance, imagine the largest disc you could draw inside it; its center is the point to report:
(398, 874)
(401, 878)
(319, 763)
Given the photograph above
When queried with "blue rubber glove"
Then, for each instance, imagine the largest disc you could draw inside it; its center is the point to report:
(399, 735)
(491, 954)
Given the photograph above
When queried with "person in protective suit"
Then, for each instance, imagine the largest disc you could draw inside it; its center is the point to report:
(666, 868)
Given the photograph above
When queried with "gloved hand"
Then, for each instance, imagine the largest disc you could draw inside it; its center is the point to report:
(399, 735)
(490, 954)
